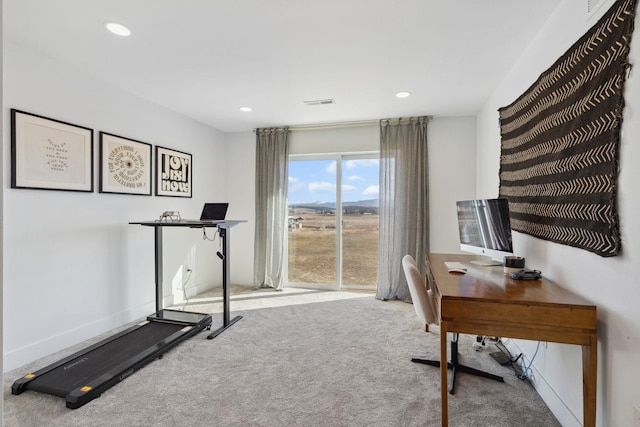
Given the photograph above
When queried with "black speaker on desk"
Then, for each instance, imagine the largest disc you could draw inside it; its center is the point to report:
(513, 264)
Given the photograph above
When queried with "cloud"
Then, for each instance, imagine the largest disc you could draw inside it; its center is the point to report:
(322, 187)
(346, 188)
(364, 163)
(371, 190)
(295, 184)
(331, 168)
(355, 178)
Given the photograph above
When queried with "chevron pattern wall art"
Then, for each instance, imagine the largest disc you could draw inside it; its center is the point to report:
(560, 141)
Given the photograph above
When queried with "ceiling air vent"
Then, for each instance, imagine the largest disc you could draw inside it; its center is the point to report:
(320, 102)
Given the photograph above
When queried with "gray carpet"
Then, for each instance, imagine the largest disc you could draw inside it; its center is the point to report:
(297, 358)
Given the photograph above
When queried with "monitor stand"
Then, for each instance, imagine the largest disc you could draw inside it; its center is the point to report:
(487, 263)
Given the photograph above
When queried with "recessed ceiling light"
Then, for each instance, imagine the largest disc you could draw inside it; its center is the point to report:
(403, 94)
(245, 109)
(118, 29)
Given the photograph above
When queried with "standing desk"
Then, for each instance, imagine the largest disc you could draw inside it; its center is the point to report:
(224, 227)
(485, 301)
(86, 374)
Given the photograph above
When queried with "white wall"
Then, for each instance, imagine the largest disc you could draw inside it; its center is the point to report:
(610, 283)
(73, 267)
(240, 183)
(452, 170)
(1, 198)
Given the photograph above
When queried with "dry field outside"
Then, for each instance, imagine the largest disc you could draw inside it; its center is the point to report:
(312, 249)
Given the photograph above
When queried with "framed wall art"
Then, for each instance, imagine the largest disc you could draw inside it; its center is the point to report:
(173, 173)
(125, 165)
(50, 154)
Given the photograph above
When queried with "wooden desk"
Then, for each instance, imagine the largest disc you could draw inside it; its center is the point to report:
(485, 301)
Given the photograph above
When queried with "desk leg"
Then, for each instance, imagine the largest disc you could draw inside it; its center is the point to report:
(226, 279)
(158, 262)
(444, 389)
(589, 381)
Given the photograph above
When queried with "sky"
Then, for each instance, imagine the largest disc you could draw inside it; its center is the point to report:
(315, 180)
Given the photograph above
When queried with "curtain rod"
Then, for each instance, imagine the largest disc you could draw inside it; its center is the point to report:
(328, 125)
(339, 124)
(334, 125)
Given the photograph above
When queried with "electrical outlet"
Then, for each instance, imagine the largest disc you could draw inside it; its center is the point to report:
(636, 415)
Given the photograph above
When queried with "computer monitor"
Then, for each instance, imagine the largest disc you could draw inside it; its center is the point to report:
(485, 229)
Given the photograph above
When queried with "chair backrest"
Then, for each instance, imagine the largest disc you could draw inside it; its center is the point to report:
(423, 301)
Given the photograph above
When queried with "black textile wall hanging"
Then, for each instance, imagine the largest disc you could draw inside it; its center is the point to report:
(560, 141)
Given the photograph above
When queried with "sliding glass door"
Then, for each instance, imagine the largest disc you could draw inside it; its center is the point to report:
(359, 223)
(333, 229)
(312, 222)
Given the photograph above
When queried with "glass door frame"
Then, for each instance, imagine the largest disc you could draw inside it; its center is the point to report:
(339, 158)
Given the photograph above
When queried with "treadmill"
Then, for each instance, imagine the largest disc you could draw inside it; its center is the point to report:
(85, 375)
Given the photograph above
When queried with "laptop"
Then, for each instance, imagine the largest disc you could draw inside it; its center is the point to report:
(214, 211)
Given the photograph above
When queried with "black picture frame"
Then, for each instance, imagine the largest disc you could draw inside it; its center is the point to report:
(174, 174)
(125, 165)
(49, 154)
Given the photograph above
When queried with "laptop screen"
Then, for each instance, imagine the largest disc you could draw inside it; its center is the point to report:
(214, 211)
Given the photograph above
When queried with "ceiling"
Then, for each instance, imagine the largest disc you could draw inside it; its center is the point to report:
(207, 58)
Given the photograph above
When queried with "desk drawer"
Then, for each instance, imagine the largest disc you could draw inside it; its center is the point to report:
(564, 316)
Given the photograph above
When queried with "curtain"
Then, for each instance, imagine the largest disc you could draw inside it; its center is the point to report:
(404, 214)
(270, 249)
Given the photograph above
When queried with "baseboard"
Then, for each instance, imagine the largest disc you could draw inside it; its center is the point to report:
(178, 297)
(557, 406)
(19, 357)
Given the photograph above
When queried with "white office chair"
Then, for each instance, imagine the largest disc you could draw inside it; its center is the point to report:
(425, 306)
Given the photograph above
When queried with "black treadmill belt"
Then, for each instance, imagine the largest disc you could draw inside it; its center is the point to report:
(86, 374)
(82, 370)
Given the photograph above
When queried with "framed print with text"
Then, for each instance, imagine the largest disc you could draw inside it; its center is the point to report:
(50, 154)
(125, 165)
(173, 173)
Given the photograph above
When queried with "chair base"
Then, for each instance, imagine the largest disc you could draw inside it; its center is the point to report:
(456, 367)
(435, 363)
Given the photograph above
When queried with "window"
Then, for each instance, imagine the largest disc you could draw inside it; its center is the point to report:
(333, 229)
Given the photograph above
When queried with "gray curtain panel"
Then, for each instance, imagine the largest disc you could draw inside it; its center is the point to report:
(270, 250)
(404, 213)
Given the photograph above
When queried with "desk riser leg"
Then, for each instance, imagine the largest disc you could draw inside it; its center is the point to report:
(226, 280)
(226, 277)
(158, 265)
(223, 328)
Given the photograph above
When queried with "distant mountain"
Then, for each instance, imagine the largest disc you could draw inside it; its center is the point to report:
(371, 203)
